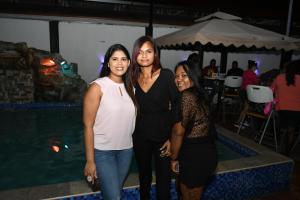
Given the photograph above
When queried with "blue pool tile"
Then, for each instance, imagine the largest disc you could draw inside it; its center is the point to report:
(238, 185)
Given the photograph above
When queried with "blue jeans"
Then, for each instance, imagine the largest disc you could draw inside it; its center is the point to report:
(112, 169)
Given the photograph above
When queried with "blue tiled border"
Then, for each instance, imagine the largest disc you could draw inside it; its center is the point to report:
(238, 185)
(249, 183)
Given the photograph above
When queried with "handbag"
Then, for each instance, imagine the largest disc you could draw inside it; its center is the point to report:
(268, 107)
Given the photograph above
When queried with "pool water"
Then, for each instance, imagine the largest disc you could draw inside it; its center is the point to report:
(45, 146)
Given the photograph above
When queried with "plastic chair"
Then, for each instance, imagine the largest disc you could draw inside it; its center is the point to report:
(233, 81)
(260, 94)
(231, 94)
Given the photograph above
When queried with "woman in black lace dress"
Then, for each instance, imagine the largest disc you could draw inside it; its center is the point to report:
(193, 146)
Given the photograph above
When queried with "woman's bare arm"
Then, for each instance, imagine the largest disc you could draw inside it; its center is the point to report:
(90, 106)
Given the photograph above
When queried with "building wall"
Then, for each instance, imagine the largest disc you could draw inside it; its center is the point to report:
(34, 32)
(86, 43)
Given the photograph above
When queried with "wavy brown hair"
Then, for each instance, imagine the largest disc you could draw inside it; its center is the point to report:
(135, 67)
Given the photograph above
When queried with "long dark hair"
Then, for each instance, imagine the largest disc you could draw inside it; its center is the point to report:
(135, 69)
(195, 75)
(292, 69)
(105, 71)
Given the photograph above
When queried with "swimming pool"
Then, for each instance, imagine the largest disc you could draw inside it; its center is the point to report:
(42, 146)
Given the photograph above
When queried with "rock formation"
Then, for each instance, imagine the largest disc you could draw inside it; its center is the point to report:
(29, 75)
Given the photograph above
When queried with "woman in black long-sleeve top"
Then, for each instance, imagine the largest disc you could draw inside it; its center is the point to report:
(156, 94)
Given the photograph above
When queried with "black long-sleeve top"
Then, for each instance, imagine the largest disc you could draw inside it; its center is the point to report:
(156, 108)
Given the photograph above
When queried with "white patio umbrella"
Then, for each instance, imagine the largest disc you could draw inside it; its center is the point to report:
(224, 29)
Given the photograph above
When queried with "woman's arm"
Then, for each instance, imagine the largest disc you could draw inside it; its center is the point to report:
(174, 94)
(273, 85)
(90, 106)
(176, 139)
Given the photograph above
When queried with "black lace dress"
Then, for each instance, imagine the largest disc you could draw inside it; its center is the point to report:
(198, 154)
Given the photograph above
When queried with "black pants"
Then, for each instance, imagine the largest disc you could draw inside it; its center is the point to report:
(289, 124)
(144, 151)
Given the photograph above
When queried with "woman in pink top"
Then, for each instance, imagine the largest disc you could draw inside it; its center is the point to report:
(109, 112)
(249, 76)
(287, 92)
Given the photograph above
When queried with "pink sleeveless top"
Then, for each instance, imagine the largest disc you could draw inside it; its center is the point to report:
(115, 118)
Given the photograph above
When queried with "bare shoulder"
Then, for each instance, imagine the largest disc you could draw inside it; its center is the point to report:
(94, 91)
(94, 86)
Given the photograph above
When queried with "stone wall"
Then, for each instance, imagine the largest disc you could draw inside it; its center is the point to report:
(16, 73)
(29, 75)
(16, 86)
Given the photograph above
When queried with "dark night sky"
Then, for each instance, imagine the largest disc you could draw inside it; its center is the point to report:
(182, 12)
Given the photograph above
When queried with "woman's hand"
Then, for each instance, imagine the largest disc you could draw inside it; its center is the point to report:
(90, 170)
(175, 166)
(165, 149)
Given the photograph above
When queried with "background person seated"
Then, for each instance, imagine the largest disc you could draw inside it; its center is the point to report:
(235, 70)
(210, 69)
(249, 78)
